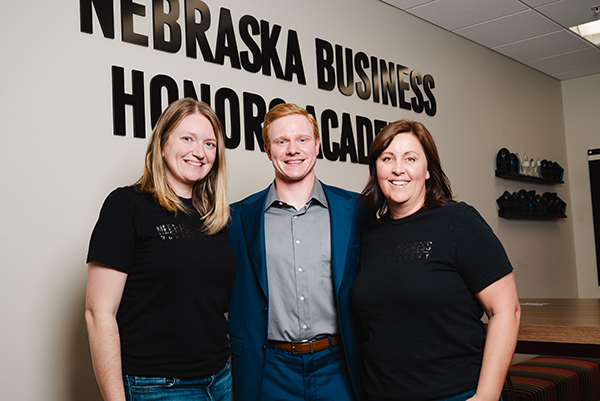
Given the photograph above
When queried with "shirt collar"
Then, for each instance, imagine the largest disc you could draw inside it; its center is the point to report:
(317, 195)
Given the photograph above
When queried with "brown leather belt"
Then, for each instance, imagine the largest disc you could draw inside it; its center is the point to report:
(305, 346)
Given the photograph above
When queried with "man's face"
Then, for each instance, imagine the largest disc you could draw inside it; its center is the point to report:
(293, 149)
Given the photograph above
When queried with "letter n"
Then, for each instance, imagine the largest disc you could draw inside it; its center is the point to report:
(104, 11)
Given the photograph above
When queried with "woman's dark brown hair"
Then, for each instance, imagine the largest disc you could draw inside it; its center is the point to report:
(437, 187)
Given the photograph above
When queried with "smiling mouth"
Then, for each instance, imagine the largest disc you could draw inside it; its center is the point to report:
(399, 183)
(294, 162)
(195, 164)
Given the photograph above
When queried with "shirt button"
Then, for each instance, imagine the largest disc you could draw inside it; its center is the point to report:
(301, 298)
(295, 217)
(304, 326)
(297, 241)
(300, 269)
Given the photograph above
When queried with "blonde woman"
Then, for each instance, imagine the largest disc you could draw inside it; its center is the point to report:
(160, 269)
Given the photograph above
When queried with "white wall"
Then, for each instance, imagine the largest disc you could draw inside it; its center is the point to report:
(60, 158)
(582, 108)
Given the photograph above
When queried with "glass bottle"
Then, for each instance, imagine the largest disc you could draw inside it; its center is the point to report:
(525, 165)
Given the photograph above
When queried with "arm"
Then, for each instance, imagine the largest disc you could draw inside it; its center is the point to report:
(501, 304)
(103, 295)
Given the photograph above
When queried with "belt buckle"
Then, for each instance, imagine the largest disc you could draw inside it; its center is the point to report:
(294, 352)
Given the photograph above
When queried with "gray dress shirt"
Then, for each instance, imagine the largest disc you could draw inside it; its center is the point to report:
(298, 247)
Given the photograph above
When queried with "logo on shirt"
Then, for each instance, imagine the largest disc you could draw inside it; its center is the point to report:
(415, 250)
(409, 251)
(178, 231)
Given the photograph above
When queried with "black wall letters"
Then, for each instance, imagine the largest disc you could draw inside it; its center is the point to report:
(182, 26)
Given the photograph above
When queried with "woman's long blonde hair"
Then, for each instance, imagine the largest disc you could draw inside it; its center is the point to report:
(209, 195)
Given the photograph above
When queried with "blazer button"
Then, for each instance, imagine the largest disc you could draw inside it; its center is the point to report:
(264, 347)
(265, 310)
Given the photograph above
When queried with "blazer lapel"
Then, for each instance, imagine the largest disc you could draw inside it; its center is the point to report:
(341, 227)
(253, 223)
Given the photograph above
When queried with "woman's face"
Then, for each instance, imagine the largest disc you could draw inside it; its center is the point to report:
(189, 153)
(401, 174)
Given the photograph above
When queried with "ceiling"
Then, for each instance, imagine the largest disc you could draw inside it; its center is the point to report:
(533, 32)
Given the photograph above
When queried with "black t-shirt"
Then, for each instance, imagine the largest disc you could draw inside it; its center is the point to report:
(171, 317)
(415, 295)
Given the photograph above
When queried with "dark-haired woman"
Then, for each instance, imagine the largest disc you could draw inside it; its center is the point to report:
(161, 267)
(430, 268)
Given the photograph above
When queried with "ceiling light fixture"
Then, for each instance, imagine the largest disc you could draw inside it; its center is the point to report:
(591, 30)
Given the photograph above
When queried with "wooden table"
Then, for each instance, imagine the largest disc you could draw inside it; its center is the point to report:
(560, 326)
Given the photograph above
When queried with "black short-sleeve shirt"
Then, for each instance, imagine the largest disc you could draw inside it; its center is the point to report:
(171, 317)
(415, 294)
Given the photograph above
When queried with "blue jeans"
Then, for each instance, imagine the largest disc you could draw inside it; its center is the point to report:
(458, 397)
(213, 388)
(322, 376)
(461, 397)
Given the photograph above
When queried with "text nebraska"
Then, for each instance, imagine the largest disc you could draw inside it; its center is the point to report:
(168, 35)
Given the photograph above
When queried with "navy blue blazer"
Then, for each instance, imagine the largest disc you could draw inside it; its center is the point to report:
(248, 309)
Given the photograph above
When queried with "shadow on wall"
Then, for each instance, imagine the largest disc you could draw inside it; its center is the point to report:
(82, 382)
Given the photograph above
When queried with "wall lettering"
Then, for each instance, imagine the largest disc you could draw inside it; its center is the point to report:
(185, 26)
(242, 116)
(387, 81)
(259, 37)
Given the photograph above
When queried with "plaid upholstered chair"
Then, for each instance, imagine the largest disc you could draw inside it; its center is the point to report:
(549, 378)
